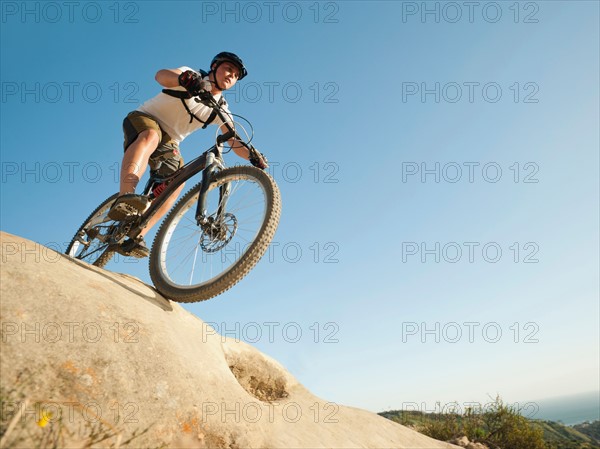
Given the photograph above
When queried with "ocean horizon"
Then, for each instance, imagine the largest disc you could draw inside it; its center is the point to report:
(569, 410)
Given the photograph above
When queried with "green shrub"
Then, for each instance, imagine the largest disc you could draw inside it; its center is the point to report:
(442, 427)
(499, 426)
(505, 427)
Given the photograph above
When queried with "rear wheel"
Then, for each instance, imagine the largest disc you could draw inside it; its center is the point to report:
(91, 241)
(191, 262)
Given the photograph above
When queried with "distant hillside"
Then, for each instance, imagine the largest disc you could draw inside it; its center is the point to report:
(555, 435)
(591, 429)
(567, 437)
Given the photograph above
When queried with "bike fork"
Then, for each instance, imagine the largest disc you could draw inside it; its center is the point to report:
(212, 165)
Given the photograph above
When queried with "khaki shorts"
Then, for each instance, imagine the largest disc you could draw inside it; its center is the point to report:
(166, 159)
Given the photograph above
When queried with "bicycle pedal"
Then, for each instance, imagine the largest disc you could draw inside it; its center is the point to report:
(130, 249)
(121, 211)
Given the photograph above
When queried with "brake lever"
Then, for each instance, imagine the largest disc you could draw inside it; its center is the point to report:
(204, 97)
(225, 137)
(257, 158)
(204, 93)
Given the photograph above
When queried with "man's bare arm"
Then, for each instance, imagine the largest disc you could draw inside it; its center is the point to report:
(168, 77)
(237, 147)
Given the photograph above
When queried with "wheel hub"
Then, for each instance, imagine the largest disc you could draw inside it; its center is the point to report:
(217, 234)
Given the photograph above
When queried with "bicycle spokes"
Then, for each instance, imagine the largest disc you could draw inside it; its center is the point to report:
(193, 254)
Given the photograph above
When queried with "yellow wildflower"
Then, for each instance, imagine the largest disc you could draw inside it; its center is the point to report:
(45, 418)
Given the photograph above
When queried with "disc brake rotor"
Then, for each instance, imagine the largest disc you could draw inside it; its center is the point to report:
(216, 235)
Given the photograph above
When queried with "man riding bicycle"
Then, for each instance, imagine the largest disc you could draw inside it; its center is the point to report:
(153, 133)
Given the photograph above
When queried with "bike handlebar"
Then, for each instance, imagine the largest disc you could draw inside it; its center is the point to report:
(206, 98)
(256, 157)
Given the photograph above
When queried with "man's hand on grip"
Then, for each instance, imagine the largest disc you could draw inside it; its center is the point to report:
(258, 160)
(191, 81)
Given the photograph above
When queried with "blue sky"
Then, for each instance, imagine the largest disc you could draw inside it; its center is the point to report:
(439, 176)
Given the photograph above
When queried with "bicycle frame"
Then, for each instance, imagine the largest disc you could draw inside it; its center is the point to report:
(206, 161)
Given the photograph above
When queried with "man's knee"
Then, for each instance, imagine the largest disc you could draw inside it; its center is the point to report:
(148, 137)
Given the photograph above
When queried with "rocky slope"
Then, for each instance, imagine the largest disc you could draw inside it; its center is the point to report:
(87, 353)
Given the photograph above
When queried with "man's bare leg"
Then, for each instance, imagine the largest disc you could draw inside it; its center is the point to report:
(135, 160)
(135, 163)
(162, 210)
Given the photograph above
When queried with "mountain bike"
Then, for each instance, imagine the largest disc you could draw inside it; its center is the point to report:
(211, 238)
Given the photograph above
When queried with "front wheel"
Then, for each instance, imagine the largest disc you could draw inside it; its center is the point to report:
(191, 262)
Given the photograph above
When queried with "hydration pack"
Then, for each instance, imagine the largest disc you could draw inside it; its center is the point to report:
(185, 95)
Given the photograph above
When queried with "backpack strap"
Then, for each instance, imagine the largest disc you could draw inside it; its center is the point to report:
(185, 95)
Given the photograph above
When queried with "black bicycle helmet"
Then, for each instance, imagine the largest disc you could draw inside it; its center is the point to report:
(230, 57)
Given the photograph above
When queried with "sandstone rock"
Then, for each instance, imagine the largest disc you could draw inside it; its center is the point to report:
(476, 446)
(87, 352)
(462, 441)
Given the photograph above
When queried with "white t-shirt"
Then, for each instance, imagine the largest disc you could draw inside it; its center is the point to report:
(172, 116)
